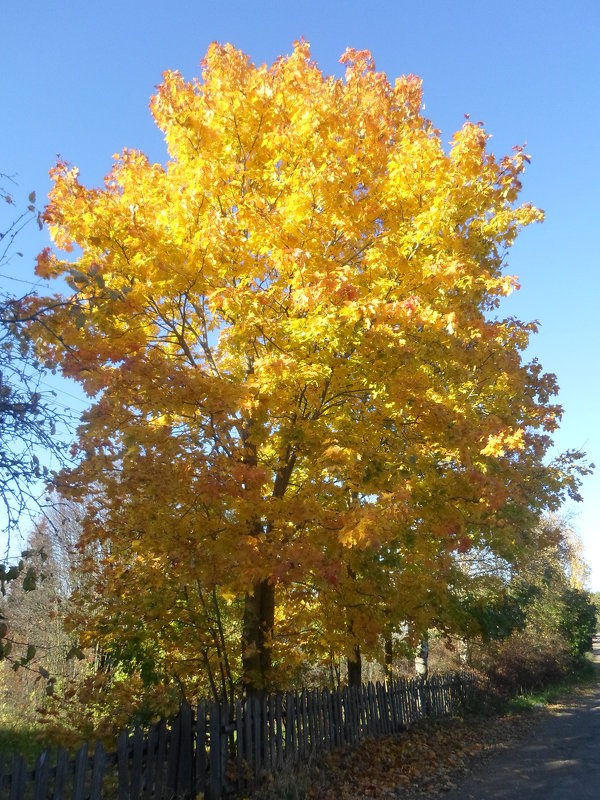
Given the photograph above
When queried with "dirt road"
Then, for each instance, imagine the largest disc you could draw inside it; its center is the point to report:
(558, 760)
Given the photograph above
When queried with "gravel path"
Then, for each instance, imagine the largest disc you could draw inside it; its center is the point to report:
(558, 760)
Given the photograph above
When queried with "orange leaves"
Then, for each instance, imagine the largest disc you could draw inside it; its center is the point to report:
(288, 330)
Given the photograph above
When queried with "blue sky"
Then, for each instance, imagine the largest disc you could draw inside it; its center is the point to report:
(77, 78)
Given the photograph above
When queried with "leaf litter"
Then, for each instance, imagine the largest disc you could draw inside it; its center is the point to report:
(424, 762)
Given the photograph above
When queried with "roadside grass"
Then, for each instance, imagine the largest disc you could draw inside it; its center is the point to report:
(584, 675)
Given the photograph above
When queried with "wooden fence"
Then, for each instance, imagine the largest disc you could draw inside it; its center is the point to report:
(218, 751)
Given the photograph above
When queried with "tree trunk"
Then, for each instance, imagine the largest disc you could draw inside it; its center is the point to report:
(355, 667)
(421, 657)
(463, 652)
(259, 619)
(259, 605)
(389, 657)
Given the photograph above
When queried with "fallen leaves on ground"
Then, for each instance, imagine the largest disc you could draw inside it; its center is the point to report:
(425, 762)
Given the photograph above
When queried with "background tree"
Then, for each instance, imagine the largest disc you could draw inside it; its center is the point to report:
(36, 650)
(548, 620)
(28, 415)
(300, 384)
(31, 431)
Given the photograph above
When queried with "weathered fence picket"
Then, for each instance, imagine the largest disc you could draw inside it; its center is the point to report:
(220, 751)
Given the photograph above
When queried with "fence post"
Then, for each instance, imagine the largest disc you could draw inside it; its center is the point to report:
(17, 784)
(41, 776)
(186, 750)
(136, 763)
(80, 768)
(239, 747)
(215, 775)
(62, 762)
(123, 765)
(291, 736)
(97, 772)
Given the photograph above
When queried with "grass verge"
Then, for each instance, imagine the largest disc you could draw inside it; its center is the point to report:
(584, 674)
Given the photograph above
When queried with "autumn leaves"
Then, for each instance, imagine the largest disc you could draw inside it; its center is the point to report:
(304, 404)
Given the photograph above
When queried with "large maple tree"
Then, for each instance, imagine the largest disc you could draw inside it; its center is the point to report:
(304, 400)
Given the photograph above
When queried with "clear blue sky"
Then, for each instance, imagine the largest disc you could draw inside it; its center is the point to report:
(76, 79)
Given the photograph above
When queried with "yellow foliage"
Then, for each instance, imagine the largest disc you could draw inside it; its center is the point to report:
(288, 336)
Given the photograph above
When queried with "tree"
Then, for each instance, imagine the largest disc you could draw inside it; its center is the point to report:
(301, 389)
(28, 415)
(555, 617)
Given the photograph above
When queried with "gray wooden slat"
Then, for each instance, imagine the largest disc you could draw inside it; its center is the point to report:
(81, 758)
(365, 698)
(320, 722)
(402, 706)
(347, 733)
(376, 700)
(60, 778)
(256, 736)
(316, 698)
(173, 754)
(426, 697)
(136, 764)
(357, 707)
(332, 731)
(368, 711)
(239, 748)
(201, 748)
(384, 709)
(374, 710)
(360, 713)
(310, 715)
(149, 775)
(330, 719)
(97, 772)
(264, 734)
(186, 744)
(248, 745)
(348, 713)
(305, 724)
(123, 765)
(339, 719)
(215, 776)
(272, 744)
(279, 729)
(161, 755)
(291, 738)
(410, 701)
(41, 776)
(323, 719)
(392, 705)
(413, 700)
(299, 726)
(312, 722)
(17, 784)
(326, 720)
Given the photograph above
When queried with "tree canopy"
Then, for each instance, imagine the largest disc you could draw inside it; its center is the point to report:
(306, 406)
